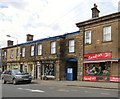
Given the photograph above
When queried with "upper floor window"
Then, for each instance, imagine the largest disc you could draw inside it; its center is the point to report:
(4, 55)
(71, 46)
(53, 47)
(87, 37)
(40, 49)
(17, 52)
(107, 33)
(12, 54)
(23, 52)
(32, 50)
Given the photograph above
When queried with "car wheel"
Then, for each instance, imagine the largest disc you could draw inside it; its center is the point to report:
(14, 81)
(3, 81)
(29, 82)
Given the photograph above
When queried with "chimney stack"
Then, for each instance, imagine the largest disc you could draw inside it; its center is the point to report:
(29, 37)
(9, 43)
(95, 11)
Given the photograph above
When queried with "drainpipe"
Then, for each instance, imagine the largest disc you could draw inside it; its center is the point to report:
(35, 65)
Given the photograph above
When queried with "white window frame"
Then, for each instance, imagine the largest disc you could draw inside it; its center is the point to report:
(88, 37)
(107, 33)
(39, 49)
(53, 47)
(32, 50)
(12, 54)
(23, 52)
(5, 55)
(71, 46)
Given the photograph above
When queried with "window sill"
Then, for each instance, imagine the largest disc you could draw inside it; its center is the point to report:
(87, 44)
(53, 53)
(107, 41)
(71, 52)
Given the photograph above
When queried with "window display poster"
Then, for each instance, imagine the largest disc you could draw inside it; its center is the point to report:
(115, 79)
(90, 78)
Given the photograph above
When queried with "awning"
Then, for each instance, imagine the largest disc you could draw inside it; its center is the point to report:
(72, 60)
(104, 60)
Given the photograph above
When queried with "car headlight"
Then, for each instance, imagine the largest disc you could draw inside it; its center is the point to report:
(30, 76)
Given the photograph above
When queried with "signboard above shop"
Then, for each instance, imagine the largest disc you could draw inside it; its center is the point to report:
(97, 56)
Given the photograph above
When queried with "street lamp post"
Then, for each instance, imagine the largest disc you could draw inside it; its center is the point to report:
(16, 49)
(0, 59)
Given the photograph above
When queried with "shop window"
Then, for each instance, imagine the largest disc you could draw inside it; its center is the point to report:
(49, 69)
(25, 69)
(87, 37)
(107, 33)
(100, 69)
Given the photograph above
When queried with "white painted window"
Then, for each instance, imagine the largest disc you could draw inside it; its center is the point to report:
(5, 55)
(87, 37)
(107, 33)
(12, 54)
(53, 47)
(23, 52)
(32, 50)
(71, 46)
(40, 49)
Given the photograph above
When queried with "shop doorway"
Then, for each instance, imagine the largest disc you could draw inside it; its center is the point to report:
(39, 72)
(21, 67)
(71, 69)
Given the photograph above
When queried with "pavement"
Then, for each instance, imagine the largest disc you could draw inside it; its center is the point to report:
(106, 85)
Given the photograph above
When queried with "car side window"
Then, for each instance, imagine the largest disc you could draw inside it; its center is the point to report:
(9, 72)
(5, 72)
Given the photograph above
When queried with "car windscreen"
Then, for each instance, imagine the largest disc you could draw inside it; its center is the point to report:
(18, 72)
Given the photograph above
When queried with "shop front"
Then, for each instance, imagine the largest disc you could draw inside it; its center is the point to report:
(47, 69)
(12, 66)
(99, 67)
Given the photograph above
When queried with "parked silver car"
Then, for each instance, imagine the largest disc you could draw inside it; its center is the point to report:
(15, 76)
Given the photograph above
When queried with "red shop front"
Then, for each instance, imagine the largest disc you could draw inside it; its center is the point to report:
(97, 67)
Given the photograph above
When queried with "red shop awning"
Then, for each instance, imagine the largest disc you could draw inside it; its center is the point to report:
(98, 61)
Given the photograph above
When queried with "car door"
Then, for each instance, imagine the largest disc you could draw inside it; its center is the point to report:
(4, 75)
(9, 76)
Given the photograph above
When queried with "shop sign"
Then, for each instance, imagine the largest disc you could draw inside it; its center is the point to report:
(97, 56)
(12, 67)
(47, 62)
(115, 79)
(90, 78)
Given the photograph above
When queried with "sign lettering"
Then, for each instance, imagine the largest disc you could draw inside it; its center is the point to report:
(97, 56)
(90, 78)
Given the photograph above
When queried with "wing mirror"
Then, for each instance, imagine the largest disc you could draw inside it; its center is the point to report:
(10, 73)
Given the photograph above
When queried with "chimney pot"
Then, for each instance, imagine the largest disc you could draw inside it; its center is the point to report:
(29, 37)
(9, 43)
(95, 11)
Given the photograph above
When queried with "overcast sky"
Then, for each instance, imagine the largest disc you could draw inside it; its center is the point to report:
(44, 18)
